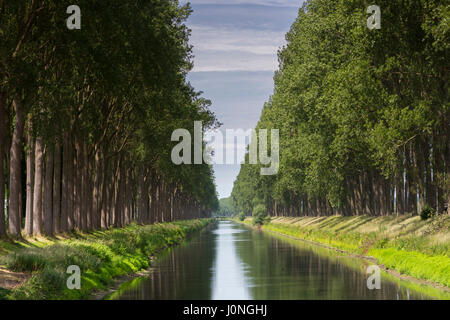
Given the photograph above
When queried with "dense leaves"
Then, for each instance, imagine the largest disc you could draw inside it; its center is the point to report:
(363, 114)
(93, 111)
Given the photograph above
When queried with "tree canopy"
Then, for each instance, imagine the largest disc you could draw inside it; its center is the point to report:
(363, 114)
(93, 111)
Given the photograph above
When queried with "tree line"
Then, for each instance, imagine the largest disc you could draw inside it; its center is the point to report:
(225, 208)
(363, 114)
(86, 117)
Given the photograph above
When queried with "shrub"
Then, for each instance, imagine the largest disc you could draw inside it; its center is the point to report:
(427, 212)
(42, 285)
(26, 260)
(259, 215)
(241, 216)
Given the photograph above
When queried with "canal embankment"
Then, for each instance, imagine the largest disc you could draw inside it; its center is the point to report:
(238, 262)
(406, 246)
(39, 265)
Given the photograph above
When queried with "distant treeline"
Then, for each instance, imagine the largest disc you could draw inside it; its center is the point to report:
(225, 209)
(86, 117)
(363, 114)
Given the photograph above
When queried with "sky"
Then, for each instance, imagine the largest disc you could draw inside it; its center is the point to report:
(235, 44)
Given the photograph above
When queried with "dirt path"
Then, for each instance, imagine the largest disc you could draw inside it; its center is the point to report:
(10, 280)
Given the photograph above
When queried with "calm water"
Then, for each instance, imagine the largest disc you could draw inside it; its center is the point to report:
(232, 261)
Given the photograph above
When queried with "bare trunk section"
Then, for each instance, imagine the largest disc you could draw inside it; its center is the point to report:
(2, 156)
(48, 192)
(37, 190)
(29, 184)
(87, 190)
(70, 185)
(65, 186)
(104, 190)
(143, 197)
(77, 185)
(15, 215)
(96, 192)
(57, 189)
(117, 194)
(2, 197)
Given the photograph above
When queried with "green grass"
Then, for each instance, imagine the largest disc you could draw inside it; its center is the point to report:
(355, 265)
(101, 256)
(406, 244)
(416, 264)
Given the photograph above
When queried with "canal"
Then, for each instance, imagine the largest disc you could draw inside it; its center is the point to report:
(233, 261)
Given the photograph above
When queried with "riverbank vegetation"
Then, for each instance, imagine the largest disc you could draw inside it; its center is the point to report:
(406, 244)
(363, 114)
(349, 261)
(86, 117)
(101, 255)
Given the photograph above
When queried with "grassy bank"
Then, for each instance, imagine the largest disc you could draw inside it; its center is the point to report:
(413, 247)
(102, 256)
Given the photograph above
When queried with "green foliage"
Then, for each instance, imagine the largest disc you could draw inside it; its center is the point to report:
(427, 212)
(121, 89)
(226, 208)
(352, 111)
(4, 293)
(241, 216)
(260, 215)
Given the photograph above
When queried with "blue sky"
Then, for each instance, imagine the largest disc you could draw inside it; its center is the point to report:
(235, 55)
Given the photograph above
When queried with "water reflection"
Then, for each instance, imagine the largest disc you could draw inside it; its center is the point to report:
(185, 272)
(288, 269)
(232, 261)
(229, 282)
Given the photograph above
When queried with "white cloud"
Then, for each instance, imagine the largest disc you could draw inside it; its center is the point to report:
(227, 61)
(244, 40)
(280, 3)
(227, 49)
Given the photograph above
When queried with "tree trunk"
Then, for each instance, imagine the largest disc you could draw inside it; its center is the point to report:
(2, 198)
(83, 194)
(29, 183)
(15, 216)
(78, 183)
(2, 156)
(88, 190)
(104, 190)
(37, 194)
(48, 192)
(70, 185)
(96, 192)
(117, 194)
(143, 197)
(65, 186)
(57, 188)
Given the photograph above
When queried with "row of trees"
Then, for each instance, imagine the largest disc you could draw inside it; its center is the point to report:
(225, 208)
(86, 117)
(363, 114)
